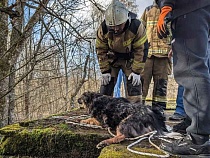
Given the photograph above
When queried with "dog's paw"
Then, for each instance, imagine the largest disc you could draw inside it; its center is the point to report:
(85, 121)
(91, 121)
(102, 144)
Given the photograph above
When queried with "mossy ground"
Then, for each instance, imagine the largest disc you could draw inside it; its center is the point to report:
(53, 137)
(120, 150)
(50, 137)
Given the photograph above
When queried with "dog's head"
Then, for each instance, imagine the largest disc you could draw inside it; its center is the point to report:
(100, 109)
(87, 99)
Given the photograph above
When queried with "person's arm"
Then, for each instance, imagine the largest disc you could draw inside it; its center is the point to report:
(165, 17)
(138, 49)
(170, 3)
(170, 54)
(144, 18)
(102, 50)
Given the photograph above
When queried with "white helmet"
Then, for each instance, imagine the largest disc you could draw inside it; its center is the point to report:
(116, 13)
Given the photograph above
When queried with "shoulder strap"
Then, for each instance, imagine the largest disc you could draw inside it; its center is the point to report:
(132, 15)
(135, 23)
(104, 27)
(148, 8)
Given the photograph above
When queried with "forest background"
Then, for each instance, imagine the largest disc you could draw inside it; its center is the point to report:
(47, 55)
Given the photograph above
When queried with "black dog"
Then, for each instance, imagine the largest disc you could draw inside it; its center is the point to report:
(129, 120)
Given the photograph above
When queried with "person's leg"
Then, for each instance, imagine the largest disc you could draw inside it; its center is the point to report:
(160, 78)
(191, 69)
(209, 53)
(146, 77)
(125, 85)
(179, 113)
(179, 101)
(117, 88)
(134, 93)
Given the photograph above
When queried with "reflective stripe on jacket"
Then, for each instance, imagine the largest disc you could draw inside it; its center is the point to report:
(157, 47)
(131, 40)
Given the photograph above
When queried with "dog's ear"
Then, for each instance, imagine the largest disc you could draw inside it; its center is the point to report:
(95, 95)
(85, 98)
(98, 106)
(80, 100)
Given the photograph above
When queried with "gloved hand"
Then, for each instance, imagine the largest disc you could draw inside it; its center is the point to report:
(136, 79)
(164, 18)
(106, 78)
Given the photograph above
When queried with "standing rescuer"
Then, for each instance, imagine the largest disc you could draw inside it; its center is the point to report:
(158, 64)
(120, 44)
(190, 26)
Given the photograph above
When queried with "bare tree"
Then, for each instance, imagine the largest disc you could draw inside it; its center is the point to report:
(47, 56)
(19, 34)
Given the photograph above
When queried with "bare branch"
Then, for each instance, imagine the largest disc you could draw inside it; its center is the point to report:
(8, 10)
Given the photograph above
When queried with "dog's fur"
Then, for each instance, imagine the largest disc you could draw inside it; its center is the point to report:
(129, 120)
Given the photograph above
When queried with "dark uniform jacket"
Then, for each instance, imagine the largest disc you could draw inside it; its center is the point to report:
(131, 40)
(181, 7)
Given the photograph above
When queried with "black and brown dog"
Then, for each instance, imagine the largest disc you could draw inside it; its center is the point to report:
(129, 120)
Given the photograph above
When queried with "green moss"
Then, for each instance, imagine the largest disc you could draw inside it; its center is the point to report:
(26, 123)
(50, 142)
(52, 137)
(63, 126)
(10, 129)
(120, 151)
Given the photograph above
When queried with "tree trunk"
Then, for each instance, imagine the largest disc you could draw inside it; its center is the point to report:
(4, 65)
(8, 57)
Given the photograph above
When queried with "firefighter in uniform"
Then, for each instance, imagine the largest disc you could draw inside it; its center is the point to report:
(158, 64)
(120, 45)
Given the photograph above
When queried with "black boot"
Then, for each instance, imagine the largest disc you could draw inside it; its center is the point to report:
(182, 126)
(159, 112)
(143, 102)
(188, 147)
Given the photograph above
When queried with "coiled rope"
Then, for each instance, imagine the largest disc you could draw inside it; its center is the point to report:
(140, 138)
(151, 134)
(69, 121)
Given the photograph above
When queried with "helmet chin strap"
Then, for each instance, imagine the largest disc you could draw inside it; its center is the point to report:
(129, 20)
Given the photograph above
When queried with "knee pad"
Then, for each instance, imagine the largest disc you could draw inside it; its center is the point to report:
(161, 87)
(133, 90)
(108, 89)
